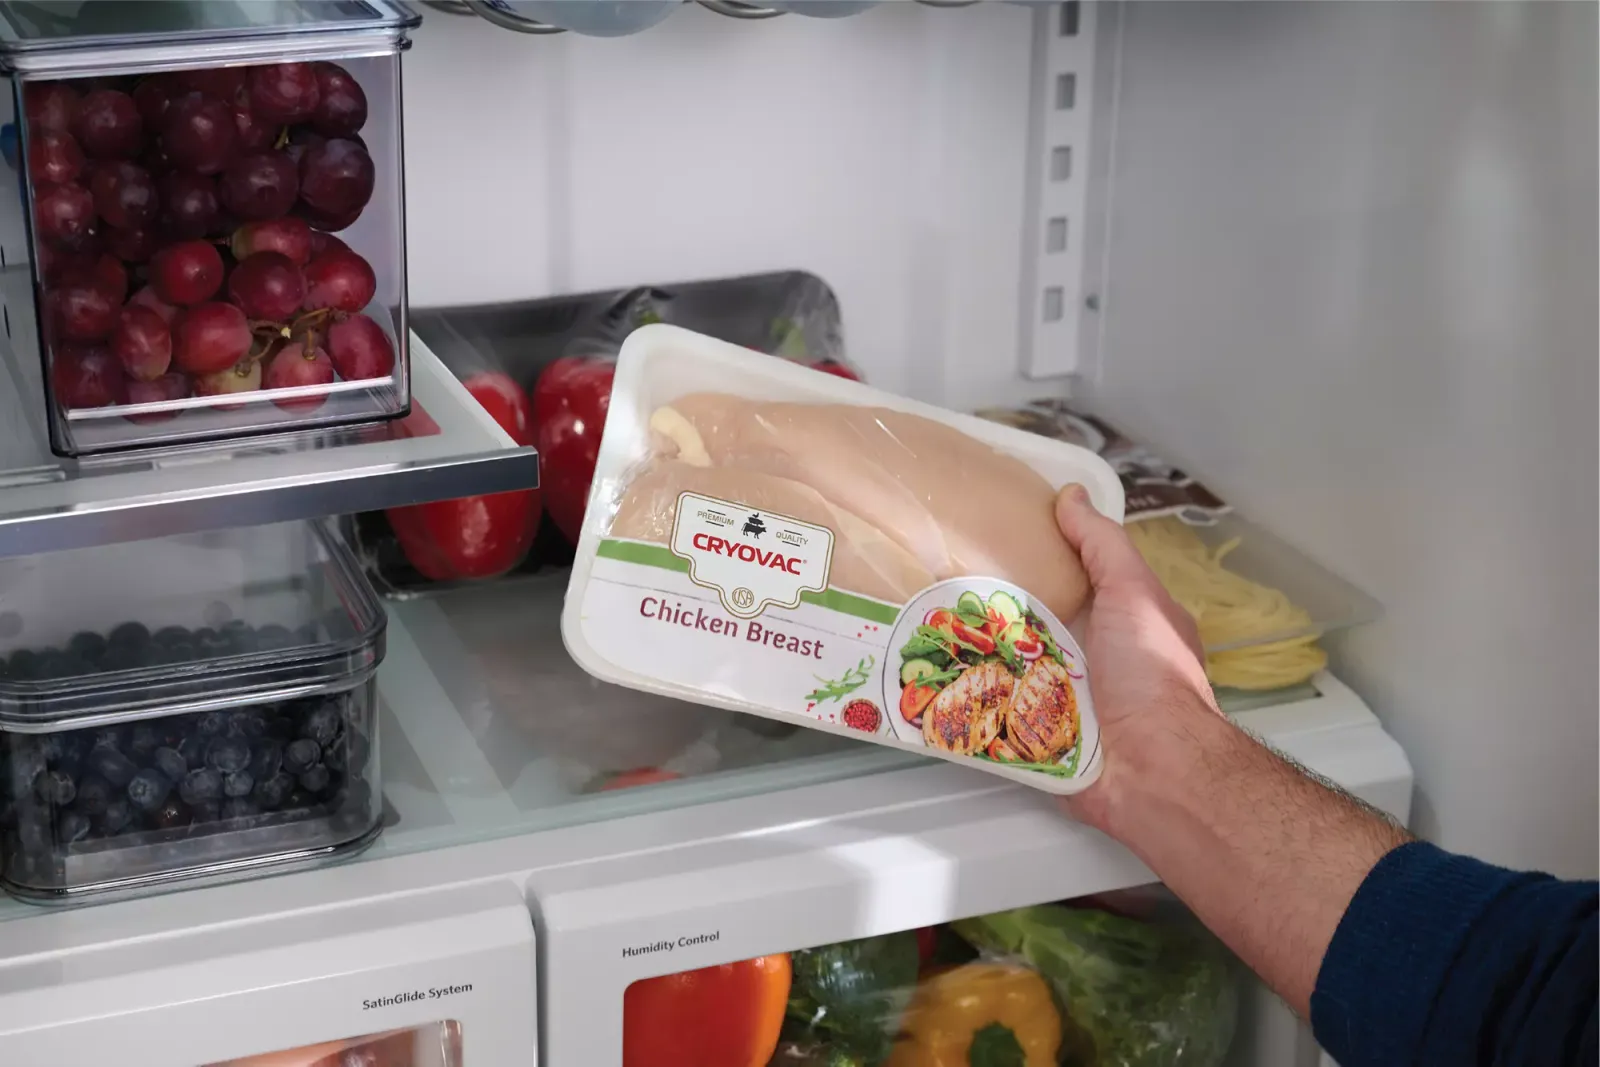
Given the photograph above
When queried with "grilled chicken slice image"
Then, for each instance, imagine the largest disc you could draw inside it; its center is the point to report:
(968, 713)
(953, 502)
(1042, 719)
(864, 560)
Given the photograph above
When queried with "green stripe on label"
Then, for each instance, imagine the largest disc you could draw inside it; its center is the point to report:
(661, 557)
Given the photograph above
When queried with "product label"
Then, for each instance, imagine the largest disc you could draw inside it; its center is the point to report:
(970, 668)
(751, 560)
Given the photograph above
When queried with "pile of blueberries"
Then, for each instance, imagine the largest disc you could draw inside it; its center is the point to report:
(132, 645)
(219, 770)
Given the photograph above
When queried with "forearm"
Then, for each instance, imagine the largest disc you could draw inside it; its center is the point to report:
(1266, 857)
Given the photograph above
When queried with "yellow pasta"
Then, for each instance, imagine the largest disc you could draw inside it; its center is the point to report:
(1230, 609)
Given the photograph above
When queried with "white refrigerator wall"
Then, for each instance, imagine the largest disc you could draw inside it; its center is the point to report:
(1353, 281)
(1352, 274)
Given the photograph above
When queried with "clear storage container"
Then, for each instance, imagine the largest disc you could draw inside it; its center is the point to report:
(211, 194)
(183, 707)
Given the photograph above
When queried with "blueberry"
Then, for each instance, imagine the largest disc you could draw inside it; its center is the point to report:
(170, 763)
(234, 627)
(266, 756)
(148, 790)
(322, 725)
(193, 749)
(333, 757)
(239, 808)
(200, 785)
(213, 723)
(94, 793)
(55, 664)
(5, 671)
(143, 740)
(248, 722)
(241, 641)
(358, 748)
(172, 814)
(55, 787)
(228, 754)
(238, 784)
(315, 780)
(121, 658)
(300, 756)
(73, 826)
(272, 792)
(273, 637)
(130, 634)
(306, 634)
(87, 644)
(297, 800)
(112, 737)
(116, 817)
(69, 752)
(171, 635)
(24, 665)
(33, 831)
(112, 765)
(182, 652)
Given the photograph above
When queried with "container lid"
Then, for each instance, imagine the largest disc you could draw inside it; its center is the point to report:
(66, 36)
(91, 637)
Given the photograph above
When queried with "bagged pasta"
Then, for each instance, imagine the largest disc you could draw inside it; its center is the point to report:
(768, 539)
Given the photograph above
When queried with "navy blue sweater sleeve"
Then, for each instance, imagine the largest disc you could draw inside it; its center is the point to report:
(1441, 959)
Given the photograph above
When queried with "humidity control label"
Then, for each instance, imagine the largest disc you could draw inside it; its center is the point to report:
(668, 944)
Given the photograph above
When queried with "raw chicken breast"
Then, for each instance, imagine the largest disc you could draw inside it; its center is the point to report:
(956, 504)
(968, 713)
(864, 560)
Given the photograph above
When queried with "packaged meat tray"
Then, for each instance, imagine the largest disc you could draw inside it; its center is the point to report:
(1261, 605)
(543, 370)
(772, 540)
(184, 707)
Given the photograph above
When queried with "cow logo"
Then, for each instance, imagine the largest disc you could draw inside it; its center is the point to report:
(754, 526)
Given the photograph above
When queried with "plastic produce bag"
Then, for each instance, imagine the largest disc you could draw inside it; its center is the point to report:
(1133, 993)
(791, 545)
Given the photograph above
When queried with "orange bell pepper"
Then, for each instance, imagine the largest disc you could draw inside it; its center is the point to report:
(724, 1016)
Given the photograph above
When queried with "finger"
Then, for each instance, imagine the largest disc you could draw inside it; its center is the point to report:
(1103, 545)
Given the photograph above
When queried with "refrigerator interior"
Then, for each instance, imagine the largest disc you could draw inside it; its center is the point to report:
(1328, 256)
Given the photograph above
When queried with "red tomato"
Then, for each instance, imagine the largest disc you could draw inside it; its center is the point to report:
(642, 776)
(837, 369)
(475, 536)
(570, 401)
(927, 944)
(976, 638)
(914, 700)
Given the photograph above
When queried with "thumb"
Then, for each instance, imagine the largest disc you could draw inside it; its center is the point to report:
(1108, 555)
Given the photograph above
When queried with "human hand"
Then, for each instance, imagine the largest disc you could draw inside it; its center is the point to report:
(1146, 670)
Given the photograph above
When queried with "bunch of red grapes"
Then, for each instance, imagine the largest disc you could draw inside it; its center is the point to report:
(184, 224)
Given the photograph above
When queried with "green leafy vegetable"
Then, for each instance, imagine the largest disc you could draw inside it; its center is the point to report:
(851, 996)
(1048, 639)
(1054, 770)
(977, 622)
(853, 679)
(996, 1046)
(1138, 994)
(922, 646)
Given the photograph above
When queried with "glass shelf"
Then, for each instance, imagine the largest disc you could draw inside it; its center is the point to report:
(447, 447)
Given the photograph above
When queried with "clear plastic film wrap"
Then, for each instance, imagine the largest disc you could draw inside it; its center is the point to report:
(804, 548)
(1056, 985)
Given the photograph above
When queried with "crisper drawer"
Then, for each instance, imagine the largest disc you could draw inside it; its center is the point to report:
(438, 979)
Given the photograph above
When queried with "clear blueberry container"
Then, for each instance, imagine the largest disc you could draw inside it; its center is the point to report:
(191, 707)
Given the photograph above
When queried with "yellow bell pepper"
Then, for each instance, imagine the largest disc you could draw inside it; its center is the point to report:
(980, 1015)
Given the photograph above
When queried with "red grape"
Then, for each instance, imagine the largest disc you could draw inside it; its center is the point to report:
(254, 135)
(189, 205)
(124, 194)
(53, 157)
(84, 309)
(336, 178)
(339, 279)
(131, 246)
(360, 349)
(208, 338)
(267, 286)
(224, 83)
(170, 386)
(143, 343)
(63, 215)
(343, 107)
(244, 377)
(323, 243)
(296, 366)
(152, 96)
(50, 106)
(147, 297)
(86, 268)
(262, 186)
(290, 236)
(107, 125)
(198, 133)
(326, 222)
(186, 273)
(87, 376)
(284, 93)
